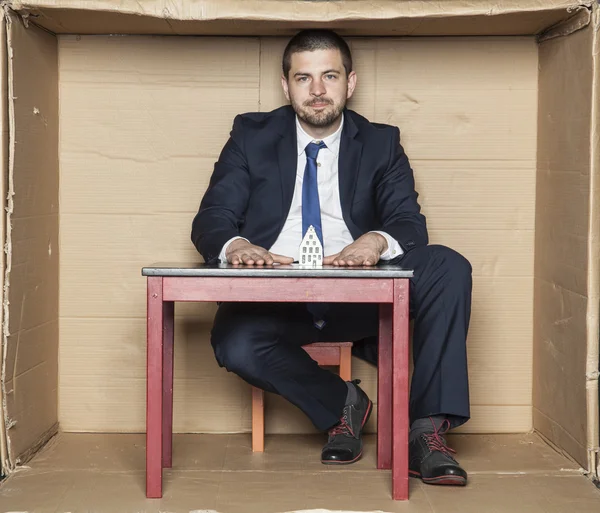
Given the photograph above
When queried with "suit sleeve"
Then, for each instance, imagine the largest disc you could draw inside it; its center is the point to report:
(396, 200)
(224, 204)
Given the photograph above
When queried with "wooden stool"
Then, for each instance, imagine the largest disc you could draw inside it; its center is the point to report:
(324, 353)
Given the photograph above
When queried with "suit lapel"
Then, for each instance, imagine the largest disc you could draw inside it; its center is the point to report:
(287, 159)
(349, 162)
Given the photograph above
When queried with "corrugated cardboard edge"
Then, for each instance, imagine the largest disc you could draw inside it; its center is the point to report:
(272, 10)
(3, 171)
(593, 312)
(578, 21)
(6, 421)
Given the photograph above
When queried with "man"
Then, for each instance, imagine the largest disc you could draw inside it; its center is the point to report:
(316, 163)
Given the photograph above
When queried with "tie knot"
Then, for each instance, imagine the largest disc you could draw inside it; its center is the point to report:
(312, 149)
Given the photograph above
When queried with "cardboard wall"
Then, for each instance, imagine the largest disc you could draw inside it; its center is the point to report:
(143, 120)
(30, 372)
(566, 261)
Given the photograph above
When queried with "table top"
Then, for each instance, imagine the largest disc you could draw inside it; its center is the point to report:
(275, 271)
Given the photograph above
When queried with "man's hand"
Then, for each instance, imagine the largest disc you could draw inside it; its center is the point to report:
(242, 252)
(365, 250)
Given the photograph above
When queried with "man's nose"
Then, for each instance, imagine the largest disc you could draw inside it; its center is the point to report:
(317, 88)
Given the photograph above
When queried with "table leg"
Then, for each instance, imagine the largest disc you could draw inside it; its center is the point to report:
(168, 341)
(400, 371)
(154, 388)
(384, 388)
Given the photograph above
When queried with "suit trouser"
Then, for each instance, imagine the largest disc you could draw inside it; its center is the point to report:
(262, 342)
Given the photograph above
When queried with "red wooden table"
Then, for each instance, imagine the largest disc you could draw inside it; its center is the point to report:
(386, 285)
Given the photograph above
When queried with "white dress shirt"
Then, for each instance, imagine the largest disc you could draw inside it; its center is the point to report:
(336, 235)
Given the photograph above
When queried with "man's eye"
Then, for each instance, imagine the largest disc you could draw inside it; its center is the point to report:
(330, 76)
(302, 79)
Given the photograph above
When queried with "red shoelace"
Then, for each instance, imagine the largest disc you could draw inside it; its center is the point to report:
(435, 442)
(343, 428)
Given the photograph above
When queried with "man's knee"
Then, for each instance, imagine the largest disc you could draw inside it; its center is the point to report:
(452, 263)
(239, 340)
(233, 349)
(236, 354)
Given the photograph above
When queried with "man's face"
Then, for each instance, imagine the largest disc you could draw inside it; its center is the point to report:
(317, 86)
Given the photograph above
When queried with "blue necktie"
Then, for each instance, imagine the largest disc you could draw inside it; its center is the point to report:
(311, 215)
(311, 208)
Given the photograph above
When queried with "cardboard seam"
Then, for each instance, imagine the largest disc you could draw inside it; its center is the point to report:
(593, 306)
(565, 432)
(561, 287)
(8, 465)
(37, 445)
(557, 449)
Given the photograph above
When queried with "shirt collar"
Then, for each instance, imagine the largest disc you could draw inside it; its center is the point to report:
(331, 141)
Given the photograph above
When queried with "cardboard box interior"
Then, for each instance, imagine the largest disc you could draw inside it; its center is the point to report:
(500, 131)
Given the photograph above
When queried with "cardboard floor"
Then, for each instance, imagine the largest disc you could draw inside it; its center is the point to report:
(105, 473)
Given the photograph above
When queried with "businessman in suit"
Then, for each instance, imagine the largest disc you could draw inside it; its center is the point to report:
(316, 163)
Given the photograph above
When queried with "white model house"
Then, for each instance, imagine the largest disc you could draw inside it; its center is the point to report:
(311, 251)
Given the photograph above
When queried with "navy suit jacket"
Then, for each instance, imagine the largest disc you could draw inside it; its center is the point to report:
(251, 188)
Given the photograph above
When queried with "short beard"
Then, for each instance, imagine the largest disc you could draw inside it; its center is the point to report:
(318, 119)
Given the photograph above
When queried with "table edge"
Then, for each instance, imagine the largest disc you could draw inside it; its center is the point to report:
(259, 273)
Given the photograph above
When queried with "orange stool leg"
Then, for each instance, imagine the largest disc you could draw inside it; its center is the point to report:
(258, 420)
(346, 363)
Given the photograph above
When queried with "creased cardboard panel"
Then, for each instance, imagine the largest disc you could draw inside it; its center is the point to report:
(559, 356)
(313, 10)
(562, 222)
(274, 17)
(31, 366)
(79, 22)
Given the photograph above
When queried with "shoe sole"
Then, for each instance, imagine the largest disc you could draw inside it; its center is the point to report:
(339, 462)
(348, 462)
(442, 480)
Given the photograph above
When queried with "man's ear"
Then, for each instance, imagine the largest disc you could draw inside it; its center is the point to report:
(285, 85)
(351, 84)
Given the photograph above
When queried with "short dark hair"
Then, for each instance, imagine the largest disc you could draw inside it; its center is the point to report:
(316, 39)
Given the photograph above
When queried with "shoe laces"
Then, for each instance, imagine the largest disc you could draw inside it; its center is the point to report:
(435, 440)
(343, 428)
